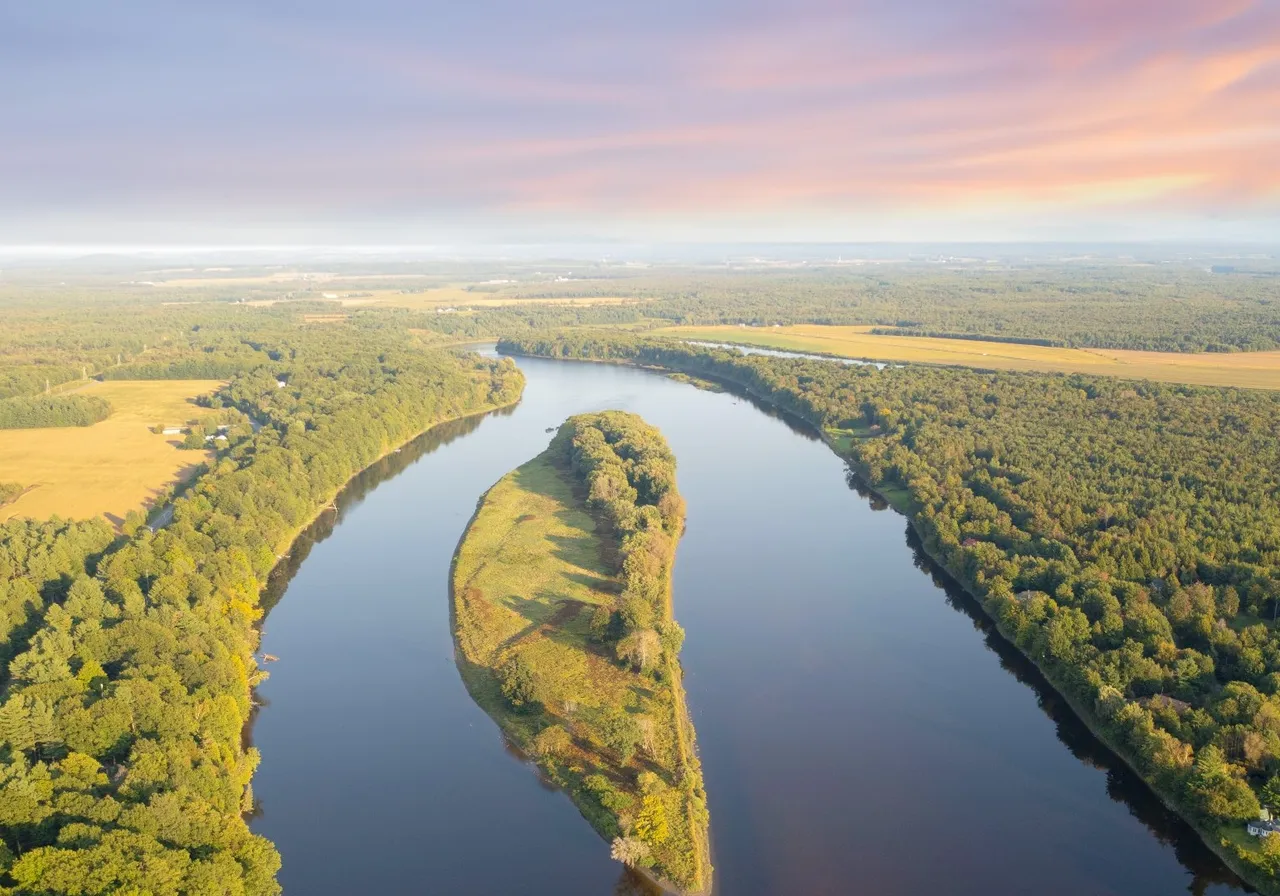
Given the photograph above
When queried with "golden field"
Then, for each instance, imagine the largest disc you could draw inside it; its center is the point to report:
(1252, 370)
(111, 467)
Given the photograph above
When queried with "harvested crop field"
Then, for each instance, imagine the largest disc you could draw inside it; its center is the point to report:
(111, 467)
(1252, 370)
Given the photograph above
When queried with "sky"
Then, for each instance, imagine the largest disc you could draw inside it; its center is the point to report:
(378, 122)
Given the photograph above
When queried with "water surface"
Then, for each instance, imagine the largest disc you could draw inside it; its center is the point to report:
(862, 729)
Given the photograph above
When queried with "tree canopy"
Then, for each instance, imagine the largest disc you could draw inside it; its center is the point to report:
(1126, 535)
(128, 662)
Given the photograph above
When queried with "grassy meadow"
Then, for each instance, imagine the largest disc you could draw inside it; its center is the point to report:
(1253, 370)
(111, 467)
(529, 575)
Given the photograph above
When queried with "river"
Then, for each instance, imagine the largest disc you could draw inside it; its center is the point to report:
(862, 729)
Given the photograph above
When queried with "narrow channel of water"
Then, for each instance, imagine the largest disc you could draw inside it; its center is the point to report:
(782, 353)
(862, 728)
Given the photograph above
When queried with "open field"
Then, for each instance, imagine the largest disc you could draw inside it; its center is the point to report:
(530, 553)
(425, 299)
(111, 467)
(1252, 370)
(458, 296)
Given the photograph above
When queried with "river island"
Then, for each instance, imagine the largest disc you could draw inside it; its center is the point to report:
(565, 636)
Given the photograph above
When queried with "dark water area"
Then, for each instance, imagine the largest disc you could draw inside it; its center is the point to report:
(863, 729)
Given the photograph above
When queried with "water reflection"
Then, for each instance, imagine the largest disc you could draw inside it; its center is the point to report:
(1123, 784)
(375, 753)
(355, 491)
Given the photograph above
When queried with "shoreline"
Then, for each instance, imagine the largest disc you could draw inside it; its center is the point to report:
(473, 674)
(1211, 839)
(664, 886)
(282, 556)
(283, 551)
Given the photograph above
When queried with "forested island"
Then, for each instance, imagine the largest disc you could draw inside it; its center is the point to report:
(566, 638)
(1124, 535)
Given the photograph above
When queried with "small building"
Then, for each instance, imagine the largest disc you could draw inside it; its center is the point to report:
(1262, 827)
(171, 431)
(1164, 701)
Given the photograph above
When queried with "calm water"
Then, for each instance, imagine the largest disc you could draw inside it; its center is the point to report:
(862, 730)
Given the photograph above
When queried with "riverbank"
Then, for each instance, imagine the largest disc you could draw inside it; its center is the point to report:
(537, 613)
(1215, 839)
(1219, 840)
(286, 545)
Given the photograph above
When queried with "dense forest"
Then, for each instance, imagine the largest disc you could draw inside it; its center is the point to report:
(47, 345)
(1126, 535)
(1161, 308)
(130, 660)
(57, 334)
(52, 410)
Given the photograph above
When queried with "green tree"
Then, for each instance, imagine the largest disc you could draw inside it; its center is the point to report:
(651, 822)
(551, 742)
(619, 733)
(519, 684)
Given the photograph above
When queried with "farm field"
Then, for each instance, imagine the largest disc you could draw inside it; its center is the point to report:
(414, 299)
(1253, 370)
(111, 467)
(447, 296)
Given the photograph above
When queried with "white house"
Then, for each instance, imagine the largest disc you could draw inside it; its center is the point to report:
(1262, 827)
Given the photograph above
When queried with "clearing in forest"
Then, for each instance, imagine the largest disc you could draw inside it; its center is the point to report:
(111, 467)
(1252, 370)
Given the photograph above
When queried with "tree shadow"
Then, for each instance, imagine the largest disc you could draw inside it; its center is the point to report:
(1123, 785)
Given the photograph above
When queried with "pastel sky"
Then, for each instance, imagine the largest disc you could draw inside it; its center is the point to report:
(403, 121)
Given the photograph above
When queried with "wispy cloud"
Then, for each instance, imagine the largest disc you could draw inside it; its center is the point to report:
(1066, 108)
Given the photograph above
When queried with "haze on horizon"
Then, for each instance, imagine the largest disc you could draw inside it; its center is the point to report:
(392, 123)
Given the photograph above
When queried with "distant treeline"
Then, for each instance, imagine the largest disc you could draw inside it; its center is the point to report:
(975, 337)
(53, 410)
(1171, 309)
(1125, 535)
(207, 367)
(30, 379)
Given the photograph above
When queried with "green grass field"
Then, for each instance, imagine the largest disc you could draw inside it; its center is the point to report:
(1251, 370)
(528, 576)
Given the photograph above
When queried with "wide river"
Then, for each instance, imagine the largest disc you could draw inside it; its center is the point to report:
(862, 730)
